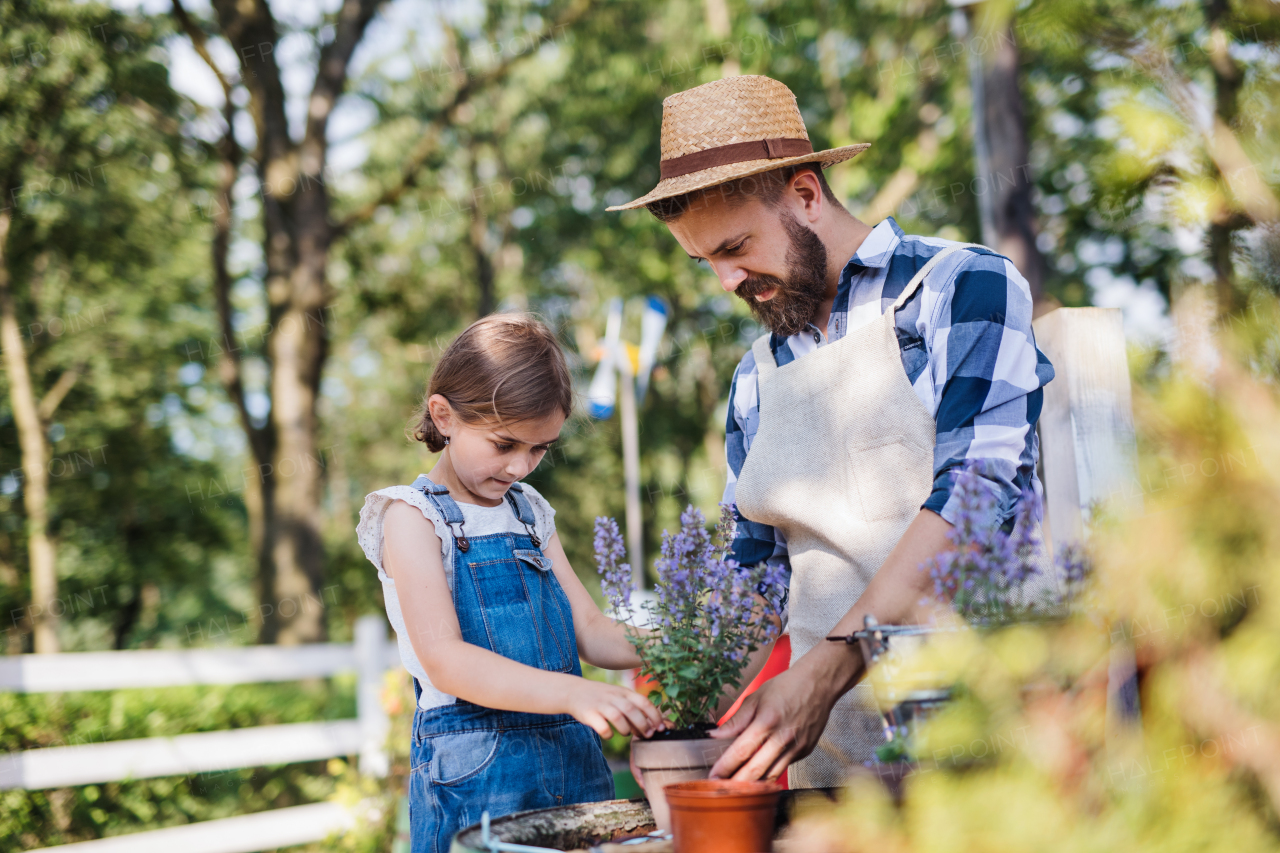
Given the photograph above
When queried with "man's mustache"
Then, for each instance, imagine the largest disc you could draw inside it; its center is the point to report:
(755, 285)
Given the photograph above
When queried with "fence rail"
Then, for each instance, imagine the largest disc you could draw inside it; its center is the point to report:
(242, 834)
(162, 668)
(206, 752)
(209, 752)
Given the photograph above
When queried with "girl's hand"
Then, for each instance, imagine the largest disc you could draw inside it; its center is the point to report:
(602, 706)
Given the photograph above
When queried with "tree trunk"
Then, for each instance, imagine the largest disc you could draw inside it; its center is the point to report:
(485, 274)
(1006, 176)
(258, 489)
(298, 348)
(478, 238)
(126, 618)
(296, 243)
(296, 237)
(35, 460)
(284, 499)
(1227, 80)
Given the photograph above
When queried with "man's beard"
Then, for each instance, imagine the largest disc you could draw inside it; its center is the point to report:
(798, 297)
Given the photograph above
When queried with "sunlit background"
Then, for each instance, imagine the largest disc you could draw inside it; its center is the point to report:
(223, 291)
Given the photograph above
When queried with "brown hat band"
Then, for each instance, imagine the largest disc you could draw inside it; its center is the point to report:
(738, 152)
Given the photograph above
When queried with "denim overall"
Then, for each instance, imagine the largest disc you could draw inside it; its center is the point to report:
(465, 758)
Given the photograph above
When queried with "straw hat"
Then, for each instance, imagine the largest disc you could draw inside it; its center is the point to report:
(729, 129)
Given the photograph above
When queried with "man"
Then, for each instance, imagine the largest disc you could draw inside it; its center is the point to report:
(892, 360)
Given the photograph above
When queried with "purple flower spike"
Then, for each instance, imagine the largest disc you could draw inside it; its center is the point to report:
(985, 572)
(708, 618)
(615, 575)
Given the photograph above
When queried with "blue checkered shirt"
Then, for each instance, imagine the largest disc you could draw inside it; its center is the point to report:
(967, 346)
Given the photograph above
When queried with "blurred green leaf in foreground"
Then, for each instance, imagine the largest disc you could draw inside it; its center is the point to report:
(1027, 759)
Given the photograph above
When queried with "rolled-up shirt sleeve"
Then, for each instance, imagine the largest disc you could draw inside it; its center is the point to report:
(989, 378)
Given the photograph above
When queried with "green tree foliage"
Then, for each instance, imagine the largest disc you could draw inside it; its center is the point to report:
(1029, 756)
(103, 261)
(497, 133)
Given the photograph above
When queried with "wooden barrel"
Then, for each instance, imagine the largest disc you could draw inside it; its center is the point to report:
(587, 825)
(577, 827)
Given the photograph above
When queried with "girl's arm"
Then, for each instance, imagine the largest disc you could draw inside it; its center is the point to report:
(602, 642)
(411, 555)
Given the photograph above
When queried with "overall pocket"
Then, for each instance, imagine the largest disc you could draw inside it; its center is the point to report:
(505, 610)
(554, 617)
(524, 617)
(459, 756)
(536, 559)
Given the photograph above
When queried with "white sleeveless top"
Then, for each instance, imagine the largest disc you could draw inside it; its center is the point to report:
(480, 521)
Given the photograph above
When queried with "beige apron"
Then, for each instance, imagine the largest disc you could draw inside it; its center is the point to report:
(841, 463)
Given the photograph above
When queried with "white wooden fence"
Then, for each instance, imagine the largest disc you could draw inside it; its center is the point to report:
(369, 656)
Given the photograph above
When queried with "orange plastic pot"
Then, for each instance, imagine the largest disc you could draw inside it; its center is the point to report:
(723, 816)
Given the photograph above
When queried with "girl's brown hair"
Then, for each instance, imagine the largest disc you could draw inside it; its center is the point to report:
(505, 368)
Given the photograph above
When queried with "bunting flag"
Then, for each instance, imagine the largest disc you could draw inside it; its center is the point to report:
(652, 324)
(602, 394)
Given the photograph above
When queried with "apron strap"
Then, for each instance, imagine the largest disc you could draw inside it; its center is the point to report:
(447, 507)
(928, 268)
(766, 364)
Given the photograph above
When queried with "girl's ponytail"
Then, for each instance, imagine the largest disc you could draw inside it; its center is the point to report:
(505, 368)
(426, 432)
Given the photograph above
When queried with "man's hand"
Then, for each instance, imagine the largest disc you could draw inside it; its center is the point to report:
(778, 724)
(783, 720)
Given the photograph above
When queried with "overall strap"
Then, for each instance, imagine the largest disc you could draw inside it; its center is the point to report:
(447, 507)
(765, 362)
(928, 268)
(524, 511)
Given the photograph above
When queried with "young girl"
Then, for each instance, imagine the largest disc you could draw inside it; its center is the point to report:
(491, 618)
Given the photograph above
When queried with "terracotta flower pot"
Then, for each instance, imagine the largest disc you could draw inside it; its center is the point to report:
(665, 761)
(723, 816)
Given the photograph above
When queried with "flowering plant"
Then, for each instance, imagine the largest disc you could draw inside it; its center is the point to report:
(992, 576)
(989, 574)
(705, 620)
